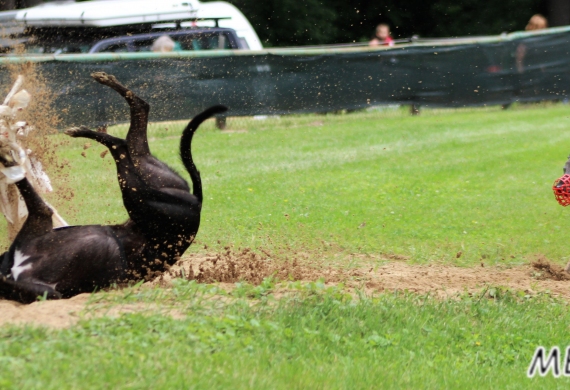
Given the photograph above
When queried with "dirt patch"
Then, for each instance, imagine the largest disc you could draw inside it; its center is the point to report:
(67, 312)
(374, 276)
(391, 256)
(546, 270)
(447, 281)
(246, 265)
(444, 281)
(53, 314)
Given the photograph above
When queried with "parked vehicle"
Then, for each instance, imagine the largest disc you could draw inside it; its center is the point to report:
(187, 39)
(91, 26)
(204, 39)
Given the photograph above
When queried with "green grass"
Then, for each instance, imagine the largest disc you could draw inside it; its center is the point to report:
(476, 181)
(316, 337)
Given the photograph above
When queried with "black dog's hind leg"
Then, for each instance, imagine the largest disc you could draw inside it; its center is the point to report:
(25, 292)
(116, 146)
(137, 141)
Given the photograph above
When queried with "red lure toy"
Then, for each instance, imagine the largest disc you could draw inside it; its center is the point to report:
(561, 190)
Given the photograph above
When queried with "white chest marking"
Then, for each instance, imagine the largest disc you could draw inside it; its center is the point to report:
(17, 269)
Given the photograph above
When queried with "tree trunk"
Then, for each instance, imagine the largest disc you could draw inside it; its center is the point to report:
(558, 13)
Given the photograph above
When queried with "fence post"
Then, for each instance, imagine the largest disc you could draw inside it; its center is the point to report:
(221, 122)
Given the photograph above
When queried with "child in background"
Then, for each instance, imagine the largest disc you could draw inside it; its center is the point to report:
(382, 36)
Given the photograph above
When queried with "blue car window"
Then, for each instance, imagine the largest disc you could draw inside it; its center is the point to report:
(115, 48)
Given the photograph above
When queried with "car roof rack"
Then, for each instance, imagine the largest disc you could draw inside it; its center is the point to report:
(193, 20)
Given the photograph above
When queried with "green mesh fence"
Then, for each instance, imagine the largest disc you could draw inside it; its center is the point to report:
(437, 73)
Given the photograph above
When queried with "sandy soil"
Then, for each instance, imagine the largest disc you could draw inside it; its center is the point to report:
(443, 281)
(448, 281)
(67, 312)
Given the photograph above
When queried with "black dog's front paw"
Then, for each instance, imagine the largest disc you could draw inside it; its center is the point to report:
(104, 78)
(80, 131)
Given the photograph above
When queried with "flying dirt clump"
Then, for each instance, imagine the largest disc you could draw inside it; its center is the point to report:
(232, 266)
(547, 270)
(41, 116)
(12, 133)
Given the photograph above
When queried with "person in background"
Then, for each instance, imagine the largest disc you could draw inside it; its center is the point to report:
(536, 22)
(523, 83)
(163, 44)
(382, 36)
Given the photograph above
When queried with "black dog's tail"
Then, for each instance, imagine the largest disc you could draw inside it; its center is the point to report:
(186, 145)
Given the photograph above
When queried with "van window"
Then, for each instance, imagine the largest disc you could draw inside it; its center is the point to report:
(212, 41)
(191, 41)
(115, 48)
(143, 45)
(39, 48)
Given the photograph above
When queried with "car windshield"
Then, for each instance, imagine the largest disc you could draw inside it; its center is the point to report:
(202, 40)
(67, 48)
(194, 41)
(58, 44)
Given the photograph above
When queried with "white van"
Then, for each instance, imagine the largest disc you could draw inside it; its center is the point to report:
(106, 15)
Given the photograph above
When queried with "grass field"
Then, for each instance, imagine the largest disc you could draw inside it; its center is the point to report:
(317, 338)
(428, 187)
(476, 181)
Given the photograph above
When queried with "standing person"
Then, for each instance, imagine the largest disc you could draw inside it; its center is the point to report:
(382, 36)
(527, 80)
(536, 22)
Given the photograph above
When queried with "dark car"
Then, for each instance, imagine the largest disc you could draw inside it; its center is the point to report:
(191, 39)
(71, 41)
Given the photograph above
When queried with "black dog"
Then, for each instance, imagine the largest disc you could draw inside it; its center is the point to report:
(67, 261)
(157, 199)
(61, 262)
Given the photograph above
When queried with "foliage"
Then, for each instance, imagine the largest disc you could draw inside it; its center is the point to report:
(284, 23)
(310, 22)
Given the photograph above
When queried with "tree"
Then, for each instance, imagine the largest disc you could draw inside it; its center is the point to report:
(289, 22)
(312, 22)
(558, 12)
(15, 4)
